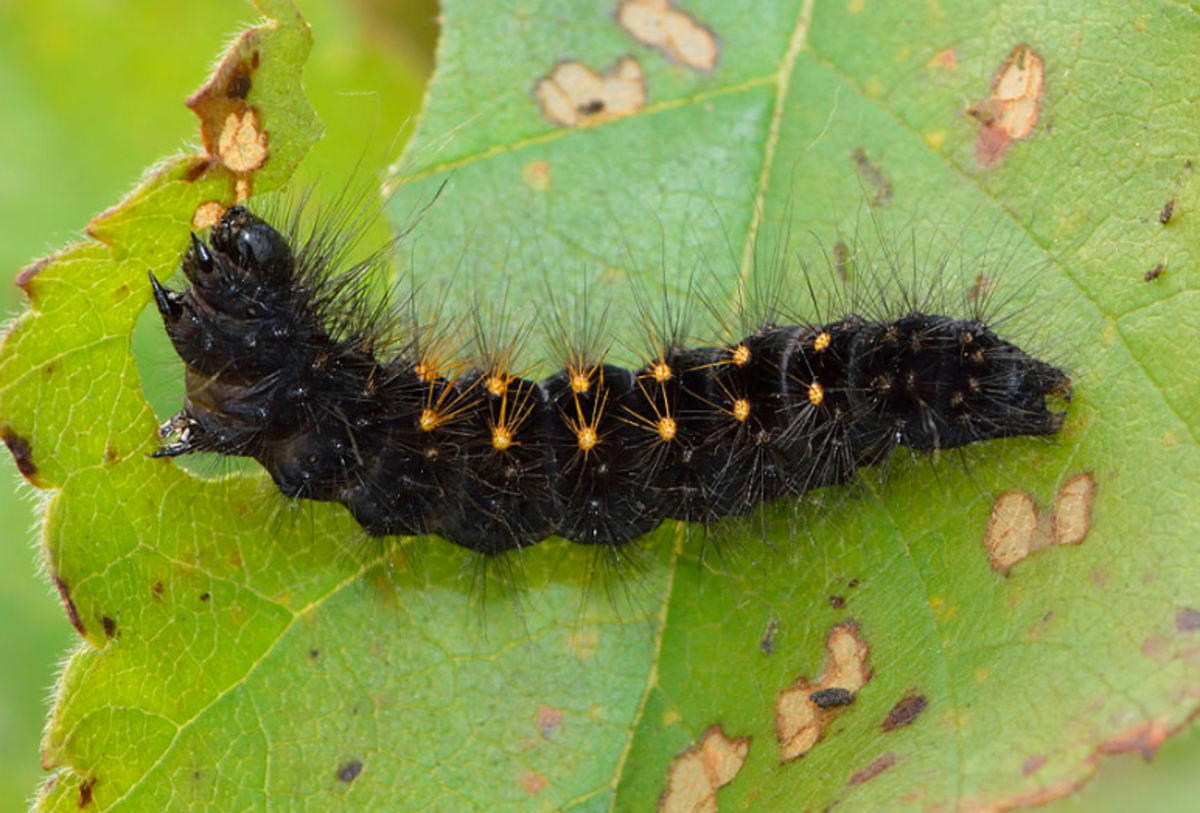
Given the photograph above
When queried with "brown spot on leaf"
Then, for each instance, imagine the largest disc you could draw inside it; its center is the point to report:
(1032, 765)
(1154, 273)
(1073, 510)
(64, 592)
(837, 602)
(1144, 739)
(21, 453)
(666, 28)
(197, 168)
(767, 644)
(85, 791)
(904, 712)
(239, 84)
(110, 626)
(946, 60)
(349, 771)
(1010, 112)
(799, 720)
(1017, 528)
(548, 720)
(533, 782)
(1168, 209)
(573, 94)
(207, 214)
(205, 596)
(158, 588)
(1187, 620)
(1157, 648)
(981, 288)
(696, 774)
(872, 175)
(536, 175)
(1039, 627)
(841, 258)
(873, 770)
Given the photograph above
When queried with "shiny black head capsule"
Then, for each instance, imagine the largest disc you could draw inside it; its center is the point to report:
(258, 251)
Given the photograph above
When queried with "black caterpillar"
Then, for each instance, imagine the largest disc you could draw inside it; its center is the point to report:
(595, 453)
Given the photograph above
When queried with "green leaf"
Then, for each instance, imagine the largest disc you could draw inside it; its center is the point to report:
(255, 654)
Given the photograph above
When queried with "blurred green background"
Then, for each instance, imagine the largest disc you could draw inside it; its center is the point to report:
(91, 94)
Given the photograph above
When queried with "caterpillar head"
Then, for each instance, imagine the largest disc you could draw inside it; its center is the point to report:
(254, 252)
(238, 311)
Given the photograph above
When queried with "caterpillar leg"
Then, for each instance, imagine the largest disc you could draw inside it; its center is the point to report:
(182, 431)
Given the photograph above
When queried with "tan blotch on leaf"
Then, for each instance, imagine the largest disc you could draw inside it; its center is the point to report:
(1011, 529)
(206, 215)
(1017, 528)
(574, 94)
(1073, 510)
(242, 145)
(1011, 111)
(799, 721)
(668, 29)
(695, 775)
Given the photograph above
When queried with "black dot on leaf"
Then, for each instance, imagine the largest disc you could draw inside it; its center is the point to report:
(350, 771)
(832, 697)
(239, 85)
